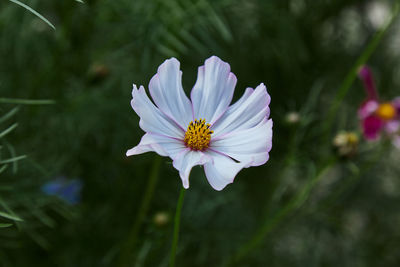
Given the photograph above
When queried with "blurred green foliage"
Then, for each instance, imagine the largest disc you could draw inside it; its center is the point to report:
(301, 49)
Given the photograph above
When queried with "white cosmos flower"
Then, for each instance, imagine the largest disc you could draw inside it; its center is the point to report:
(204, 130)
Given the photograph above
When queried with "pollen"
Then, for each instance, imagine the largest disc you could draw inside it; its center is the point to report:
(198, 135)
(386, 111)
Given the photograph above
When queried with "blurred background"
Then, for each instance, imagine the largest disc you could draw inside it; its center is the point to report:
(70, 197)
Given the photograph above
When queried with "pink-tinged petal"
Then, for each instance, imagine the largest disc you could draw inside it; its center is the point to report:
(186, 160)
(166, 90)
(162, 145)
(392, 127)
(367, 108)
(372, 126)
(246, 113)
(222, 170)
(213, 91)
(365, 75)
(151, 118)
(250, 146)
(247, 93)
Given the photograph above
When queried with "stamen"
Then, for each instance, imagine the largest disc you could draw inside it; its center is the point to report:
(198, 135)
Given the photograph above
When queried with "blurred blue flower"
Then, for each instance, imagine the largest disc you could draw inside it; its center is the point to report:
(68, 190)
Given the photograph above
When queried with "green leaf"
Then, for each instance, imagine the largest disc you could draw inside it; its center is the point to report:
(80, 1)
(33, 12)
(4, 225)
(8, 130)
(10, 216)
(13, 154)
(218, 22)
(39, 239)
(8, 114)
(12, 159)
(26, 101)
(3, 168)
(43, 217)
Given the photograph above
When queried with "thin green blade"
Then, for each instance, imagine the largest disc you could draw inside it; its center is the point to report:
(33, 12)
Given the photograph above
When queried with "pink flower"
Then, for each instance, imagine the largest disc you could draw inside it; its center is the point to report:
(378, 117)
(205, 130)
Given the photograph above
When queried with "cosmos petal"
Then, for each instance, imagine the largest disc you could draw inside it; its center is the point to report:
(366, 76)
(151, 118)
(242, 132)
(222, 170)
(162, 145)
(166, 90)
(250, 146)
(392, 127)
(186, 160)
(249, 111)
(213, 91)
(367, 108)
(372, 126)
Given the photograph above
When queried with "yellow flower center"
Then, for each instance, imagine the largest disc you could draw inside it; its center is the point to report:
(386, 111)
(198, 135)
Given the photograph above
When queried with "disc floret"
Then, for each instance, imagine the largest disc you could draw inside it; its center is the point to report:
(386, 111)
(198, 135)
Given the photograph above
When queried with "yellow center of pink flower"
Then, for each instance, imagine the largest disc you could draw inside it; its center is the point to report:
(198, 135)
(386, 111)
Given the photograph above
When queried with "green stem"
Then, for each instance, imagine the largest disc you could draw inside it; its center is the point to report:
(127, 251)
(296, 202)
(177, 221)
(352, 74)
